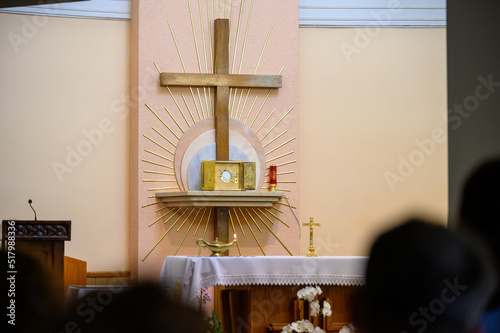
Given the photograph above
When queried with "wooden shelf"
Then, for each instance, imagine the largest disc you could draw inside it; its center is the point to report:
(219, 198)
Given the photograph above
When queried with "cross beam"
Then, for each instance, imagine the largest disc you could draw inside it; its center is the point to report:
(221, 80)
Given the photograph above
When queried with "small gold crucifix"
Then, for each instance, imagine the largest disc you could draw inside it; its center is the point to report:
(311, 252)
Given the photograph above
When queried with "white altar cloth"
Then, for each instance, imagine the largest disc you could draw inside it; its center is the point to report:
(184, 277)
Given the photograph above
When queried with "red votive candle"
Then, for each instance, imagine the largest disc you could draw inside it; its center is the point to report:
(272, 177)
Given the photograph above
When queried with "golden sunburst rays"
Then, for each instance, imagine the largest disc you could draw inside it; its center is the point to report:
(259, 224)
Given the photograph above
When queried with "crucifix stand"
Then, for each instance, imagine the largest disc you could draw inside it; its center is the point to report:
(311, 252)
(221, 80)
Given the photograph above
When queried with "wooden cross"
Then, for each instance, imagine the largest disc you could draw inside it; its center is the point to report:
(311, 252)
(221, 80)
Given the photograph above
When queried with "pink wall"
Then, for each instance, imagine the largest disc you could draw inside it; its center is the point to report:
(152, 42)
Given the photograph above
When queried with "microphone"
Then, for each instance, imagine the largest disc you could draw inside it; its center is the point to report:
(30, 201)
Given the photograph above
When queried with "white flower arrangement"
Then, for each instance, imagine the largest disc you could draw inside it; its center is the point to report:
(348, 329)
(310, 294)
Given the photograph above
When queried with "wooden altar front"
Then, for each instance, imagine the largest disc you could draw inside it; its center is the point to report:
(256, 294)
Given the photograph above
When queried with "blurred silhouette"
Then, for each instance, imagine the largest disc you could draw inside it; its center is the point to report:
(31, 300)
(480, 215)
(421, 277)
(144, 308)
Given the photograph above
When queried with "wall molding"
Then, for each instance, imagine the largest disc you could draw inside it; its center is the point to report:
(312, 13)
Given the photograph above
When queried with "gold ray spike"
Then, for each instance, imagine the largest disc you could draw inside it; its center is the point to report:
(201, 103)
(159, 180)
(210, 36)
(160, 173)
(282, 117)
(151, 204)
(231, 23)
(185, 234)
(194, 35)
(201, 219)
(176, 47)
(257, 214)
(158, 144)
(261, 106)
(160, 217)
(277, 157)
(161, 120)
(286, 163)
(176, 211)
(238, 107)
(275, 236)
(151, 196)
(262, 51)
(238, 219)
(204, 51)
(158, 164)
(175, 120)
(284, 204)
(255, 71)
(163, 188)
(253, 234)
(187, 217)
(260, 230)
(279, 146)
(154, 247)
(237, 35)
(163, 136)
(158, 242)
(258, 129)
(283, 190)
(231, 105)
(274, 139)
(285, 172)
(251, 108)
(161, 208)
(197, 56)
(165, 234)
(275, 216)
(265, 100)
(244, 104)
(276, 208)
(159, 155)
(242, 56)
(178, 218)
(206, 227)
(255, 222)
(183, 67)
(246, 35)
(188, 108)
(234, 231)
(282, 181)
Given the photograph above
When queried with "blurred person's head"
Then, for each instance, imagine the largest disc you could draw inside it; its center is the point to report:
(480, 210)
(31, 299)
(422, 277)
(143, 308)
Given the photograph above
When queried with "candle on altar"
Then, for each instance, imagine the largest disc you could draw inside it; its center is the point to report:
(272, 178)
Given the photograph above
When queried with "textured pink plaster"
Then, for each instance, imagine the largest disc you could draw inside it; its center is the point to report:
(150, 32)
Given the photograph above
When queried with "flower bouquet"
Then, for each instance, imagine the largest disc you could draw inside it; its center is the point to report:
(309, 294)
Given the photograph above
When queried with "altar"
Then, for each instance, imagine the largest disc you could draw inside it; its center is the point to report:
(252, 293)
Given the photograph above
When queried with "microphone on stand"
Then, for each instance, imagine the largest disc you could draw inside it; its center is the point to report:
(30, 201)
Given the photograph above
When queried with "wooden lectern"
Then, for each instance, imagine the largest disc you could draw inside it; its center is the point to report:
(42, 239)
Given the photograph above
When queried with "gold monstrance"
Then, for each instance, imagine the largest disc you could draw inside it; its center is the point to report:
(311, 252)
